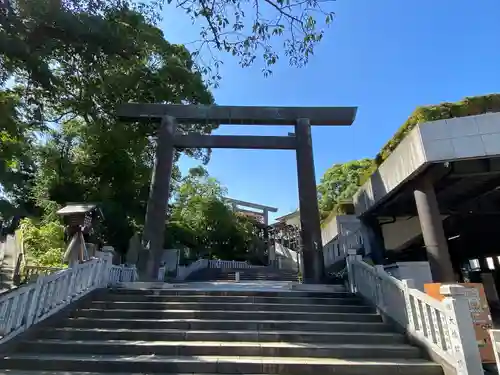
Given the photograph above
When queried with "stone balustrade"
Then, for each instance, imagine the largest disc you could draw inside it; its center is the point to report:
(444, 328)
(32, 303)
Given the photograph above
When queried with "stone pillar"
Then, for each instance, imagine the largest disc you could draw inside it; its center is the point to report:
(461, 330)
(373, 239)
(154, 227)
(313, 267)
(433, 232)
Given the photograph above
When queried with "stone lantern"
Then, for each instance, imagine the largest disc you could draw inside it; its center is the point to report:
(78, 219)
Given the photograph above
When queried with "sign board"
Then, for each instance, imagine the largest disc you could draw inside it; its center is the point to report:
(480, 312)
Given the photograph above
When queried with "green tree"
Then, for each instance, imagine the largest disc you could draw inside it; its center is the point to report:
(43, 242)
(201, 220)
(83, 152)
(340, 182)
(16, 164)
(35, 31)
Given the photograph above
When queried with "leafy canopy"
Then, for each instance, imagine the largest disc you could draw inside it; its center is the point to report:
(339, 183)
(63, 142)
(34, 31)
(201, 220)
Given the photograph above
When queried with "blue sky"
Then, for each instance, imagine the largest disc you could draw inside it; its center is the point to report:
(386, 57)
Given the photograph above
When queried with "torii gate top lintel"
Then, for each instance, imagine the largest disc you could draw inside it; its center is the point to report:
(251, 205)
(235, 115)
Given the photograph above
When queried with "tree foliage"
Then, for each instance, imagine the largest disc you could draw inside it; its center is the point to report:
(35, 31)
(16, 136)
(255, 30)
(201, 220)
(340, 182)
(63, 142)
(65, 67)
(43, 242)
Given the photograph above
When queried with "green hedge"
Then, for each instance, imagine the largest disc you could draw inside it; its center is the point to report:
(469, 106)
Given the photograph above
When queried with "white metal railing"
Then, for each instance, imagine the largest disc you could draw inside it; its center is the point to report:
(443, 327)
(184, 272)
(118, 274)
(229, 264)
(29, 304)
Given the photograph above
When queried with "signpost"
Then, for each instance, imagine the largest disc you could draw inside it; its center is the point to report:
(480, 312)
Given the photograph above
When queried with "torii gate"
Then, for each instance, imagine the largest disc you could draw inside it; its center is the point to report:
(168, 115)
(264, 210)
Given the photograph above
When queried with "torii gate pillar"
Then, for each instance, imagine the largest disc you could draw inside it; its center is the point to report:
(310, 226)
(159, 193)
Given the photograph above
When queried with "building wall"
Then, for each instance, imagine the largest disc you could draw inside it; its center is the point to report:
(294, 220)
(289, 258)
(398, 234)
(329, 229)
(338, 234)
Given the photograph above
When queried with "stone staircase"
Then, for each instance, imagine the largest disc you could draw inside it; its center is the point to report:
(174, 331)
(246, 274)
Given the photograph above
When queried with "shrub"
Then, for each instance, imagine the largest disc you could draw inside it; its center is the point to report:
(43, 242)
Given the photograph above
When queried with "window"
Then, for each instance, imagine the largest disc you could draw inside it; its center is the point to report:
(474, 264)
(491, 263)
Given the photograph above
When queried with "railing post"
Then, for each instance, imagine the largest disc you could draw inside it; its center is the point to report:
(379, 269)
(33, 309)
(108, 260)
(407, 285)
(461, 330)
(351, 257)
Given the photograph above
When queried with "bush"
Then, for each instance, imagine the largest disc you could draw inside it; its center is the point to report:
(43, 243)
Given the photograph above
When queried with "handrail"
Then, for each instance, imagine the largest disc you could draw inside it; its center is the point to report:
(30, 272)
(32, 303)
(443, 327)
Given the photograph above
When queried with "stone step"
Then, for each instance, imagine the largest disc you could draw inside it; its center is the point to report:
(221, 348)
(234, 292)
(254, 278)
(227, 315)
(194, 297)
(258, 271)
(235, 306)
(339, 337)
(260, 274)
(216, 365)
(34, 372)
(214, 324)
